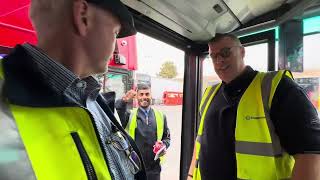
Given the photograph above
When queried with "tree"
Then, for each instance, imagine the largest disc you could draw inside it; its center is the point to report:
(168, 70)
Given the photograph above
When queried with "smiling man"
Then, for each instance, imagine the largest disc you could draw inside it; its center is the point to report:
(254, 125)
(147, 126)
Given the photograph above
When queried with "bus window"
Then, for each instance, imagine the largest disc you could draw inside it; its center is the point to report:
(257, 56)
(209, 77)
(114, 82)
(310, 77)
(154, 57)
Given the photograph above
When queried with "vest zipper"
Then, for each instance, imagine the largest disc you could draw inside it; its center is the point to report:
(91, 174)
(121, 171)
(112, 154)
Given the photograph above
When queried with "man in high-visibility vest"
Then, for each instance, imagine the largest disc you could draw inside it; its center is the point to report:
(254, 125)
(54, 124)
(147, 126)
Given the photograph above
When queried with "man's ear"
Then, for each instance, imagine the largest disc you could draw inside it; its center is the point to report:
(209, 48)
(243, 52)
(80, 16)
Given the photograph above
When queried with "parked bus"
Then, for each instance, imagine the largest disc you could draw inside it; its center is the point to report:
(277, 34)
(172, 98)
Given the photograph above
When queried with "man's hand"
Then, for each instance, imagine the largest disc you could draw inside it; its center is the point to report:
(192, 165)
(157, 146)
(129, 95)
(306, 167)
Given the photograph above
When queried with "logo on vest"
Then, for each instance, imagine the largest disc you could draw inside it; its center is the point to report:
(254, 117)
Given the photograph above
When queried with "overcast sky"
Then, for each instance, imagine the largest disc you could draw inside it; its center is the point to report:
(153, 53)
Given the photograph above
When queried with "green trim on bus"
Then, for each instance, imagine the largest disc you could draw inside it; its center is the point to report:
(310, 26)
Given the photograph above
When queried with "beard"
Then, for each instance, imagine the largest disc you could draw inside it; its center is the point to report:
(144, 103)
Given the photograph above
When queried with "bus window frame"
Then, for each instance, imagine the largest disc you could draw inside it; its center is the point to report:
(263, 37)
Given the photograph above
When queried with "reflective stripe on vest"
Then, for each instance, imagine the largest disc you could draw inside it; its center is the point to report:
(204, 105)
(38, 143)
(258, 151)
(132, 123)
(14, 161)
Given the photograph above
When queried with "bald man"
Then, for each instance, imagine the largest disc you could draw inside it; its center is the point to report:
(254, 125)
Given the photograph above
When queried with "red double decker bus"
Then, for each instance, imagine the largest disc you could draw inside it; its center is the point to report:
(16, 28)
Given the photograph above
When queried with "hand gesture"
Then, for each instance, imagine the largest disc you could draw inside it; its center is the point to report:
(129, 95)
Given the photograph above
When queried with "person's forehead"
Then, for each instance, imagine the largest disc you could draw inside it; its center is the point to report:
(217, 46)
(143, 91)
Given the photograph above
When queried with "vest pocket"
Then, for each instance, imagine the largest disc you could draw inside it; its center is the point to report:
(91, 174)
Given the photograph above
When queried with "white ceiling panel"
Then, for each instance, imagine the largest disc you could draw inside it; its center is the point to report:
(199, 20)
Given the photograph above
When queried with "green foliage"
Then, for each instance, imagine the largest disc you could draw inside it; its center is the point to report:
(168, 70)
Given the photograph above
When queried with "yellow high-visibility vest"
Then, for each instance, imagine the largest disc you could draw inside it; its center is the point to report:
(132, 125)
(259, 154)
(46, 143)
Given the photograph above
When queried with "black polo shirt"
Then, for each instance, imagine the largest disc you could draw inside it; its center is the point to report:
(293, 115)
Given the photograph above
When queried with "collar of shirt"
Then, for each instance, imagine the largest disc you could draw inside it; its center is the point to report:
(145, 110)
(237, 86)
(61, 79)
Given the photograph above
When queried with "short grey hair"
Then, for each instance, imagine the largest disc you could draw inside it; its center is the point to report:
(219, 36)
(143, 87)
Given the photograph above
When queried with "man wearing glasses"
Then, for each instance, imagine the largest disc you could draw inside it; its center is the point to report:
(54, 124)
(254, 125)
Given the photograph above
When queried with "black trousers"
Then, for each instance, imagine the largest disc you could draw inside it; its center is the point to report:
(153, 176)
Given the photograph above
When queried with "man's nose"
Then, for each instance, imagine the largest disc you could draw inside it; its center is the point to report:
(219, 60)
